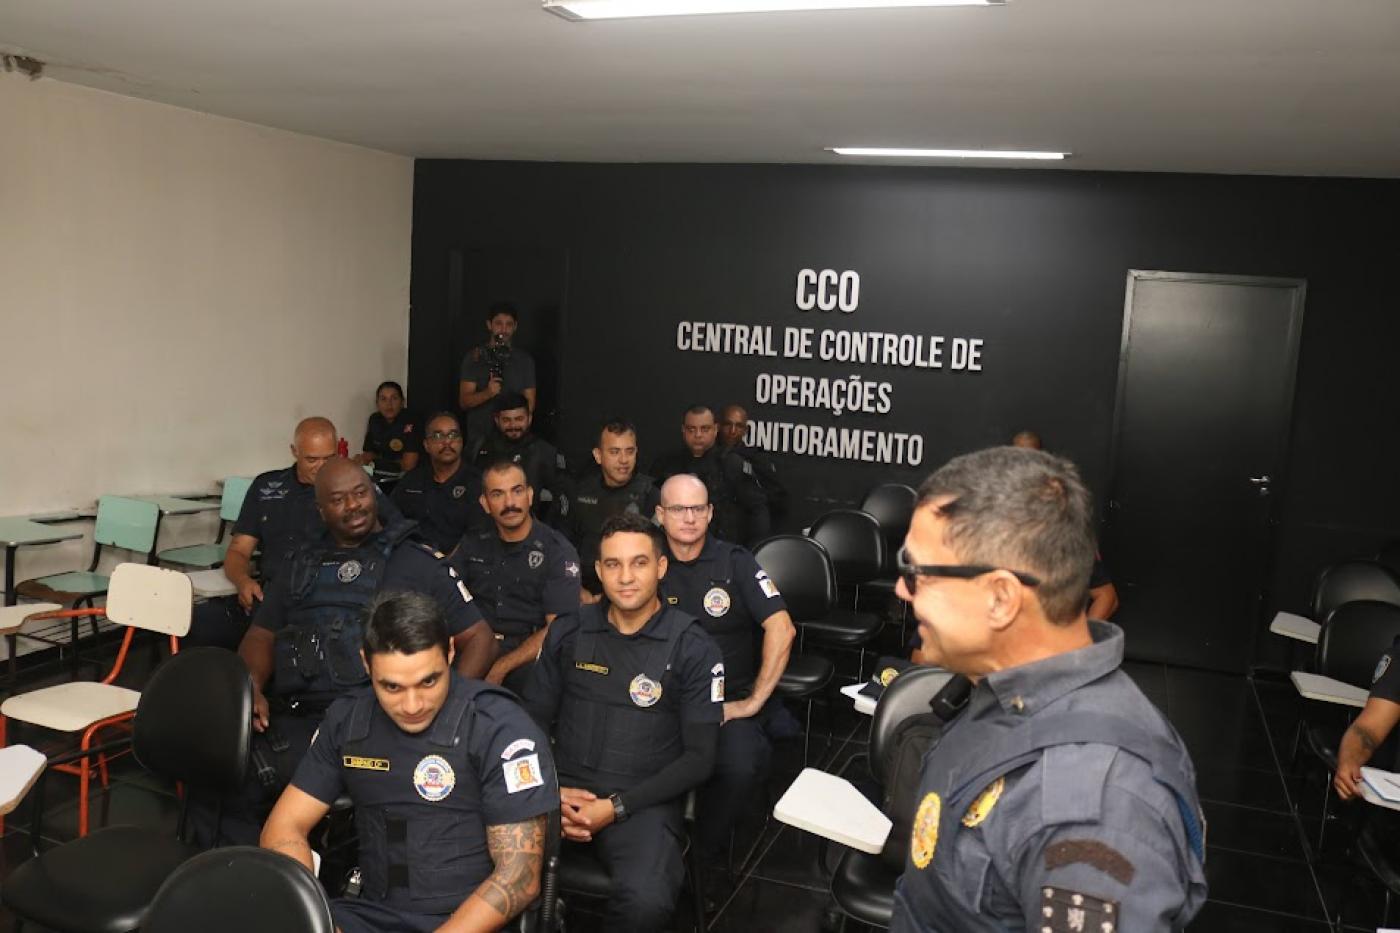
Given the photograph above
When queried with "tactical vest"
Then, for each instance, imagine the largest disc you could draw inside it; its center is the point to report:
(422, 841)
(317, 653)
(620, 721)
(709, 592)
(500, 574)
(929, 896)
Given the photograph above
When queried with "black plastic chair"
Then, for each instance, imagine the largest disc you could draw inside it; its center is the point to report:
(192, 725)
(803, 574)
(1350, 581)
(855, 546)
(863, 884)
(892, 505)
(237, 890)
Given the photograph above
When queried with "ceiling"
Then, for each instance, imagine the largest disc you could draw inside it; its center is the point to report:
(1295, 87)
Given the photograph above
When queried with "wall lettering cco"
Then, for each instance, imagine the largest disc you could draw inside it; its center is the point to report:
(825, 291)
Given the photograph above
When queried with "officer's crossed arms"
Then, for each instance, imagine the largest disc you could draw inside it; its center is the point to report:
(374, 747)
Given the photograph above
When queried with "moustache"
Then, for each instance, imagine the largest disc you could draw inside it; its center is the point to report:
(512, 510)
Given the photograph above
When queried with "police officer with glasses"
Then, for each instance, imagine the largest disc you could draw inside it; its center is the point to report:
(443, 494)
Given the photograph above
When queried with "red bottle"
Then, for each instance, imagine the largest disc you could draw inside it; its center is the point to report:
(343, 448)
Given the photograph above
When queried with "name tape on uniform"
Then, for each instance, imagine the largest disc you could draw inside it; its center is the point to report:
(365, 764)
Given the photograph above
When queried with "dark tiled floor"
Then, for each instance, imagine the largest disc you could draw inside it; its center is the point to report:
(1263, 819)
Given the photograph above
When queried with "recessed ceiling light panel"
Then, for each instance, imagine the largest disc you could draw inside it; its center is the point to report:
(623, 9)
(869, 151)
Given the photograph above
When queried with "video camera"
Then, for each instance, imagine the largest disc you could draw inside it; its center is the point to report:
(497, 356)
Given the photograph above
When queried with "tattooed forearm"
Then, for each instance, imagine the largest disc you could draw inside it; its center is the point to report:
(517, 849)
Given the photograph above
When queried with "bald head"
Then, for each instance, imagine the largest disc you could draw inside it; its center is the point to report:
(687, 487)
(345, 499)
(313, 443)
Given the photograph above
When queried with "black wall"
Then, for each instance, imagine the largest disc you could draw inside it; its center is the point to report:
(1032, 262)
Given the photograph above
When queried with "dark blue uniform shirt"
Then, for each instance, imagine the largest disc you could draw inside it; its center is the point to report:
(510, 777)
(516, 584)
(731, 596)
(280, 511)
(390, 440)
(444, 511)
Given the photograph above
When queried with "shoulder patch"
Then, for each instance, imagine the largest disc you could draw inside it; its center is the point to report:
(1065, 911)
(1382, 666)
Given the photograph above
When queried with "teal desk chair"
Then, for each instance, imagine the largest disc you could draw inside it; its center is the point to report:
(212, 555)
(129, 524)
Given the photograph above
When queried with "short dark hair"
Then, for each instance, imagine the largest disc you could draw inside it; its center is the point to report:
(503, 307)
(443, 414)
(508, 401)
(701, 410)
(389, 385)
(501, 464)
(404, 623)
(616, 425)
(633, 523)
(1024, 510)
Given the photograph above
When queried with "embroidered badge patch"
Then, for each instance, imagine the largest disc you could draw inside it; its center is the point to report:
(717, 601)
(1091, 852)
(644, 691)
(717, 689)
(349, 571)
(458, 492)
(434, 778)
(1382, 666)
(887, 676)
(982, 807)
(769, 588)
(396, 445)
(591, 667)
(522, 774)
(535, 559)
(516, 747)
(923, 837)
(570, 569)
(1064, 911)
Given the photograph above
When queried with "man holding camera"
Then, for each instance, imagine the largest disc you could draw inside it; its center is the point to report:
(492, 368)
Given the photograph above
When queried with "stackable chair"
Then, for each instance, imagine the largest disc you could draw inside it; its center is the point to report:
(803, 574)
(855, 546)
(240, 889)
(1343, 582)
(128, 524)
(892, 505)
(192, 726)
(208, 556)
(863, 884)
(139, 597)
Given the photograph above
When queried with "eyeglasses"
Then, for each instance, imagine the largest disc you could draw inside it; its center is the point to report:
(439, 437)
(910, 573)
(695, 511)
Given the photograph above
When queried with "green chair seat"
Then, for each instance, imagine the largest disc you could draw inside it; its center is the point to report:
(196, 555)
(76, 581)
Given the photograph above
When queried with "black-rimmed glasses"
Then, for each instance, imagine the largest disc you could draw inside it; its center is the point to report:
(910, 573)
(439, 437)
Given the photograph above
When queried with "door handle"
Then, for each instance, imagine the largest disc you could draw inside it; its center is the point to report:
(1260, 480)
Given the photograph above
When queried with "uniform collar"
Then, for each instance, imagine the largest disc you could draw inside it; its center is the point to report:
(599, 621)
(707, 551)
(462, 472)
(1030, 688)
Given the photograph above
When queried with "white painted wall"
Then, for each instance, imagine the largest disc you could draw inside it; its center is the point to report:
(176, 291)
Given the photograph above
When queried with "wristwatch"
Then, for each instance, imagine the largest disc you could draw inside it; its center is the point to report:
(619, 811)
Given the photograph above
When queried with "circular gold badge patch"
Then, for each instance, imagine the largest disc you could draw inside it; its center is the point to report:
(923, 838)
(887, 676)
(396, 445)
(982, 807)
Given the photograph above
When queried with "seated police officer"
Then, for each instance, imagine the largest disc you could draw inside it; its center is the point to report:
(741, 508)
(303, 646)
(521, 573)
(442, 494)
(614, 488)
(511, 439)
(733, 425)
(1059, 798)
(633, 691)
(278, 514)
(722, 585)
(1372, 727)
(391, 437)
(451, 780)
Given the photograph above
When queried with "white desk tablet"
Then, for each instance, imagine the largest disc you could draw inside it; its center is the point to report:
(832, 808)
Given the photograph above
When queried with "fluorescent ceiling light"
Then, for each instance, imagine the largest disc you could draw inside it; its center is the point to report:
(620, 9)
(945, 153)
